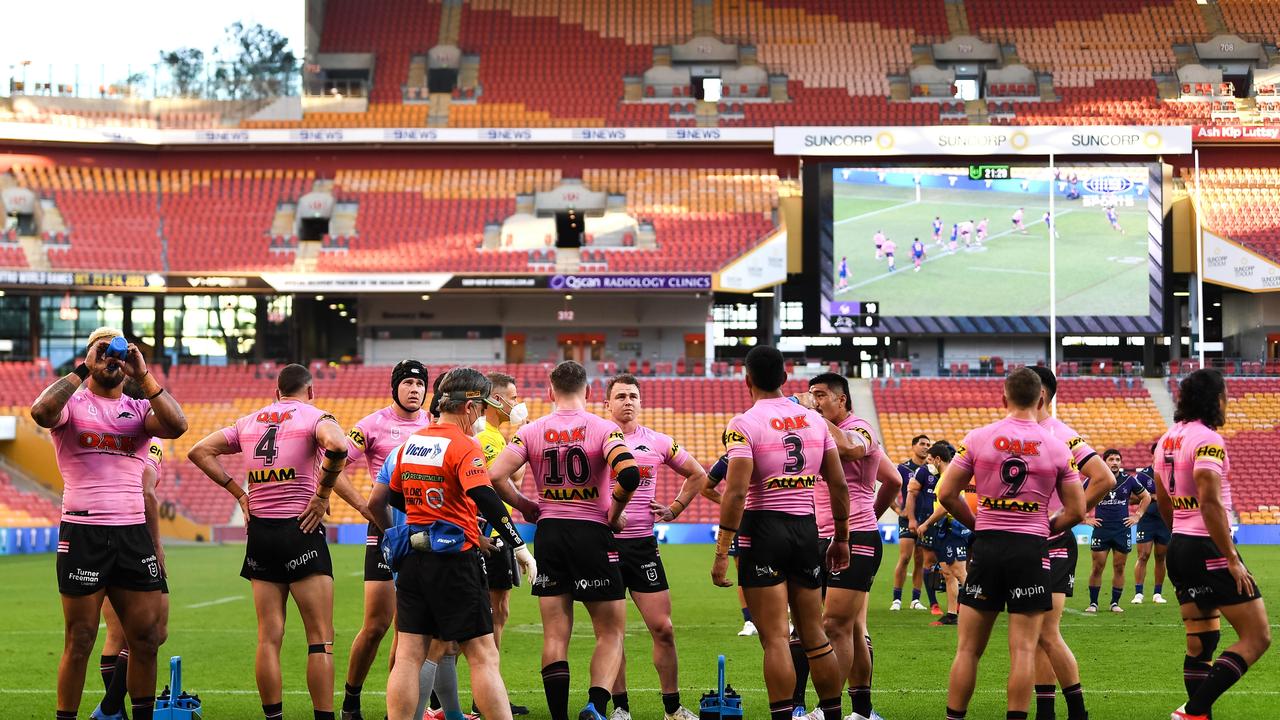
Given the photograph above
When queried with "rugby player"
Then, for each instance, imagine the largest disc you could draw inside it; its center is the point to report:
(1114, 219)
(115, 655)
(501, 565)
(1153, 534)
(1208, 574)
(950, 538)
(907, 550)
(572, 455)
(715, 474)
(1054, 660)
(105, 549)
(438, 478)
(374, 438)
(982, 230)
(642, 570)
(1017, 221)
(284, 508)
(1017, 464)
(921, 499)
(889, 248)
(937, 229)
(917, 253)
(864, 463)
(1111, 525)
(878, 239)
(843, 274)
(777, 452)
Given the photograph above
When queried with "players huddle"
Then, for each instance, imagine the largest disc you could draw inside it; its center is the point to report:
(805, 481)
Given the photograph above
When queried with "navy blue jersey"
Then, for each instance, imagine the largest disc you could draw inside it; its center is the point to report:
(907, 469)
(955, 230)
(937, 227)
(1114, 506)
(928, 494)
(1147, 476)
(917, 249)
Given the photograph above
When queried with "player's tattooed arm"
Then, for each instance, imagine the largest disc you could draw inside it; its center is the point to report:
(953, 482)
(48, 406)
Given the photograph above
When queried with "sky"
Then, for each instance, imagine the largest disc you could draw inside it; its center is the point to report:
(107, 40)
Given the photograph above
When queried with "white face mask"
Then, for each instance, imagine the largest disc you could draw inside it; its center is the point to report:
(478, 426)
(518, 413)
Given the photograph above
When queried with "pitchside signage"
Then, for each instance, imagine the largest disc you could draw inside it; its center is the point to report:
(984, 140)
(1229, 264)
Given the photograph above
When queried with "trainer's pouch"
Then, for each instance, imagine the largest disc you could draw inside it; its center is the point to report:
(440, 536)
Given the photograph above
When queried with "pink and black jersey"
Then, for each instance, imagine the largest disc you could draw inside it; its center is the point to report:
(378, 434)
(1081, 453)
(101, 445)
(1016, 465)
(651, 450)
(861, 476)
(786, 443)
(566, 452)
(282, 457)
(1186, 448)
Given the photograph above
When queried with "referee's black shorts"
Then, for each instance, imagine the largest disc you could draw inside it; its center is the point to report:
(444, 596)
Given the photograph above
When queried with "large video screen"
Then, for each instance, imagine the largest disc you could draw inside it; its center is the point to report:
(966, 248)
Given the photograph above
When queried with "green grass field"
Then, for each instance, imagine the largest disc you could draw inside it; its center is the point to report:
(1099, 271)
(1131, 664)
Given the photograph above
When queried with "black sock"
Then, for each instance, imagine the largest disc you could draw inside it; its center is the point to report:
(435, 701)
(928, 586)
(1015, 715)
(1074, 696)
(780, 710)
(1194, 673)
(107, 667)
(274, 711)
(323, 714)
(64, 715)
(113, 701)
(1045, 697)
(955, 714)
(830, 708)
(801, 663)
(1116, 592)
(670, 702)
(351, 700)
(860, 697)
(621, 701)
(144, 707)
(555, 685)
(1227, 670)
(599, 697)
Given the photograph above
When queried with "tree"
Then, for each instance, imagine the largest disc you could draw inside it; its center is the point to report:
(254, 62)
(186, 68)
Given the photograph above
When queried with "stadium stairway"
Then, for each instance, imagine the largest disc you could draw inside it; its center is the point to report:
(864, 404)
(1159, 391)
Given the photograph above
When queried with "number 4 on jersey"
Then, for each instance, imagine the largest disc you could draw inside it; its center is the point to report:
(266, 447)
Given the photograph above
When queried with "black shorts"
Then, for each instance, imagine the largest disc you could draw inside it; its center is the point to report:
(1063, 556)
(642, 570)
(94, 557)
(500, 568)
(278, 551)
(1007, 570)
(443, 595)
(579, 558)
(904, 530)
(931, 540)
(776, 547)
(375, 566)
(865, 553)
(1112, 536)
(1199, 573)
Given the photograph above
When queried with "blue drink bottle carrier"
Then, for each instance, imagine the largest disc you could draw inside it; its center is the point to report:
(722, 703)
(174, 703)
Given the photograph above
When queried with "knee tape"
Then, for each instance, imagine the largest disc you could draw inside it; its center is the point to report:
(319, 648)
(1208, 643)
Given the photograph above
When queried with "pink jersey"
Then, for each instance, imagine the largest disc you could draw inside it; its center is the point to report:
(889, 247)
(861, 476)
(101, 446)
(282, 457)
(1017, 216)
(982, 228)
(879, 239)
(651, 450)
(1016, 465)
(1081, 453)
(378, 434)
(1186, 448)
(786, 443)
(566, 452)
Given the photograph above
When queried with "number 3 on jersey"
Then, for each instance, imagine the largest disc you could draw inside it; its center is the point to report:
(266, 450)
(795, 454)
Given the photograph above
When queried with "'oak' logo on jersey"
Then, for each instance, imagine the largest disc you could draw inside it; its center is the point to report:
(108, 441)
(272, 475)
(1171, 443)
(795, 422)
(560, 437)
(275, 418)
(1016, 446)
